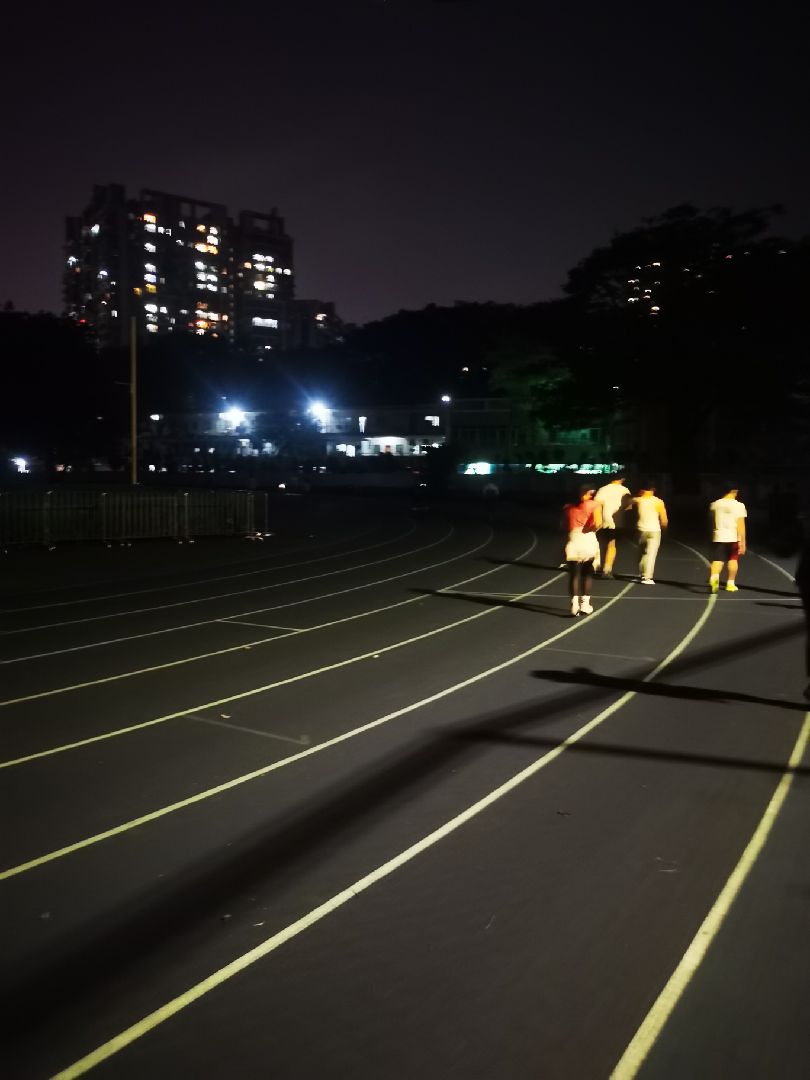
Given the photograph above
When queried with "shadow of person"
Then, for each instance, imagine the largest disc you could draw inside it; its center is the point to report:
(495, 601)
(585, 677)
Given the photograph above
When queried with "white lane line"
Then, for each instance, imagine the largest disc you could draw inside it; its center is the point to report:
(228, 595)
(303, 741)
(609, 655)
(776, 566)
(252, 611)
(258, 690)
(265, 770)
(260, 625)
(654, 1022)
(221, 577)
(259, 641)
(194, 993)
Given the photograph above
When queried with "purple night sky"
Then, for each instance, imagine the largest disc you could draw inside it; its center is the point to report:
(419, 150)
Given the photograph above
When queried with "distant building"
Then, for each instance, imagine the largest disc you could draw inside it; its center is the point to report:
(182, 265)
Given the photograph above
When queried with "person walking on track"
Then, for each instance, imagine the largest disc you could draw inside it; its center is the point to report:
(651, 519)
(728, 538)
(581, 520)
(611, 498)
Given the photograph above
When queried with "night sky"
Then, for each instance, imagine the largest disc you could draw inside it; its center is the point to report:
(421, 151)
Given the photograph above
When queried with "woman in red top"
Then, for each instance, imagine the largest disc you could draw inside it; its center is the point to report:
(581, 520)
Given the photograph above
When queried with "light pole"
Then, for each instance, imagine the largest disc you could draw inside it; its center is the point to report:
(133, 399)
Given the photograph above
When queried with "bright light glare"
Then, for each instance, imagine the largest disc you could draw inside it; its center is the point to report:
(319, 411)
(446, 399)
(20, 463)
(154, 416)
(233, 416)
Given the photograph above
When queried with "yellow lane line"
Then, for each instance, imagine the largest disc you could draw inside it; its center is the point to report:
(262, 641)
(246, 960)
(653, 1024)
(228, 785)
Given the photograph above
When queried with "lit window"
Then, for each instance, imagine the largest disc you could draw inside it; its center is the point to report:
(149, 277)
(272, 323)
(213, 316)
(72, 260)
(288, 271)
(320, 318)
(151, 327)
(150, 307)
(224, 318)
(259, 258)
(199, 265)
(200, 276)
(247, 265)
(213, 230)
(150, 228)
(213, 250)
(150, 217)
(114, 313)
(137, 291)
(164, 311)
(95, 229)
(212, 239)
(150, 248)
(151, 288)
(183, 311)
(210, 277)
(201, 247)
(160, 229)
(433, 420)
(200, 228)
(150, 267)
(181, 224)
(211, 288)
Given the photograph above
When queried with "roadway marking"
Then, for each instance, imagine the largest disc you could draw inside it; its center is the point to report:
(259, 641)
(261, 625)
(776, 566)
(609, 655)
(226, 596)
(216, 979)
(222, 577)
(303, 741)
(265, 770)
(254, 611)
(653, 1024)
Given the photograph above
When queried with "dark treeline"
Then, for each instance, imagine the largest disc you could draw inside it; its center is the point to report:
(690, 317)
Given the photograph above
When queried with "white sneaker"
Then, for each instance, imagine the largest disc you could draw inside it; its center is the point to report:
(647, 581)
(575, 606)
(585, 605)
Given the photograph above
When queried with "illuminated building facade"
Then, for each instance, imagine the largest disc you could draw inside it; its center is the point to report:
(182, 265)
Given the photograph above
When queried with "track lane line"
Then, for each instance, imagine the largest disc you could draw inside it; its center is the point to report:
(251, 611)
(228, 595)
(237, 648)
(241, 963)
(656, 1019)
(265, 770)
(258, 641)
(206, 581)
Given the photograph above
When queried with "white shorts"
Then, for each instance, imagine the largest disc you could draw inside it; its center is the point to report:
(581, 546)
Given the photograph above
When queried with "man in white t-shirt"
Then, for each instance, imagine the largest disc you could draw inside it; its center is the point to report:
(611, 498)
(651, 518)
(728, 538)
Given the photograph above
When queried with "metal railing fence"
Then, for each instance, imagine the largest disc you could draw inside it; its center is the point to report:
(58, 516)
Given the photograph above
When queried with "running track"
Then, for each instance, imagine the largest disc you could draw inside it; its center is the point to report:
(361, 801)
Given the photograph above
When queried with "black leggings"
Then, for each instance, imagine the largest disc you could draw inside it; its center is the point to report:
(580, 576)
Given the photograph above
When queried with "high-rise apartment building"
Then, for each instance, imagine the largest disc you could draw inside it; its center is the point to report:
(182, 265)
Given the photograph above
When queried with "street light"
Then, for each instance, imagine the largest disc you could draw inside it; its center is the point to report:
(446, 399)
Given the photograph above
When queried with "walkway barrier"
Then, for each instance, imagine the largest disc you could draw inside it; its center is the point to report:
(55, 517)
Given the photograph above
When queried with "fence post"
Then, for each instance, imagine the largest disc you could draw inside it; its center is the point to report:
(185, 516)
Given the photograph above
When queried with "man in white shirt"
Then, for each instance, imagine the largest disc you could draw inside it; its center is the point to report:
(728, 538)
(652, 518)
(611, 498)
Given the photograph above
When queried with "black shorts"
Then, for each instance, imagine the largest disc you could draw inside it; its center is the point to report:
(725, 551)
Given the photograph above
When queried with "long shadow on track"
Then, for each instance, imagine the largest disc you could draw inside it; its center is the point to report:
(112, 944)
